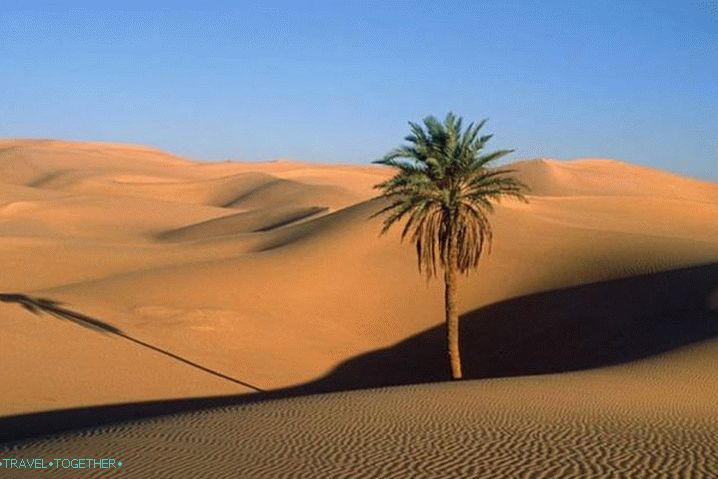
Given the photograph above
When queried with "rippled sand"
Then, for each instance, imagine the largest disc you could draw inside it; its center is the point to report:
(618, 422)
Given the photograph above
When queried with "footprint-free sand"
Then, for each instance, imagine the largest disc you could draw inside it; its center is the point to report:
(130, 275)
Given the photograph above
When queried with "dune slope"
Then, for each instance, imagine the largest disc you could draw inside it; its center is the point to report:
(554, 426)
(275, 273)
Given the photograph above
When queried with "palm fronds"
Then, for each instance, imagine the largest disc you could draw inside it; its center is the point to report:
(444, 189)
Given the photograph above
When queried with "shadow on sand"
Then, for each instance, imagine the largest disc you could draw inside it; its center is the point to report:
(568, 329)
(53, 308)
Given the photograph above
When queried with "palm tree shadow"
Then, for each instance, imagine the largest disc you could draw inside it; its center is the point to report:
(40, 306)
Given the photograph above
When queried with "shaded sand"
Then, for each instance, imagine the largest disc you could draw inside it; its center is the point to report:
(601, 423)
(179, 279)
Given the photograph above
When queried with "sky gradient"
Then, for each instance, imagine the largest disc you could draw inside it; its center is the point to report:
(337, 81)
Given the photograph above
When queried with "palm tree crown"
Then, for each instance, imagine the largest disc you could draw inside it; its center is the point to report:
(445, 188)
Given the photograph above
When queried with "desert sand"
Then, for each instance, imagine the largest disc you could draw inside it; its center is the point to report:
(132, 275)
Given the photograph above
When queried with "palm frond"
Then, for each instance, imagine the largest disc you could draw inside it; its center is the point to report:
(445, 189)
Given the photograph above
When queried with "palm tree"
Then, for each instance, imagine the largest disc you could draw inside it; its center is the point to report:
(445, 188)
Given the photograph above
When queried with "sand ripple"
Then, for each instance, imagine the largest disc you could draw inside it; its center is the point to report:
(450, 430)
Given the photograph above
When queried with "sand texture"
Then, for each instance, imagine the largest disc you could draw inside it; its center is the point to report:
(558, 426)
(132, 275)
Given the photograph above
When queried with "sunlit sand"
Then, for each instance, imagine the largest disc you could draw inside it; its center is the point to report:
(590, 331)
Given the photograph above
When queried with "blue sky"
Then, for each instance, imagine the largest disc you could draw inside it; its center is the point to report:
(337, 81)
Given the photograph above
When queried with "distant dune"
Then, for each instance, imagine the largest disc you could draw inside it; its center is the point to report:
(274, 274)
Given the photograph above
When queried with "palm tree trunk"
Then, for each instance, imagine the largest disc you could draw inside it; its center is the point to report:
(452, 314)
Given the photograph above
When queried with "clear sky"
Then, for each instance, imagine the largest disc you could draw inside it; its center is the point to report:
(337, 80)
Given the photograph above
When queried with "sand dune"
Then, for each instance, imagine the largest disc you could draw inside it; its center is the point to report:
(283, 291)
(274, 274)
(600, 177)
(253, 221)
(555, 426)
